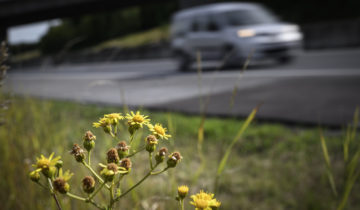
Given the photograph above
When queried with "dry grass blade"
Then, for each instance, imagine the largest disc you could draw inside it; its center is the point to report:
(355, 124)
(328, 165)
(348, 187)
(245, 66)
(203, 106)
(226, 156)
(171, 126)
(346, 144)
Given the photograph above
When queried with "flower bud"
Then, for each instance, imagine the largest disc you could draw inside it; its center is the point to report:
(78, 153)
(173, 160)
(112, 156)
(109, 172)
(133, 128)
(89, 145)
(89, 136)
(122, 149)
(126, 163)
(107, 129)
(182, 192)
(151, 143)
(35, 175)
(160, 155)
(61, 185)
(88, 184)
(89, 140)
(59, 164)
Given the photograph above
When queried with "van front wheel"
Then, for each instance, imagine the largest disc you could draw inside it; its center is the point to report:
(285, 60)
(183, 62)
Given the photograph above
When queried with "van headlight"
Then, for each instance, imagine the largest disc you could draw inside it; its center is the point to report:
(246, 33)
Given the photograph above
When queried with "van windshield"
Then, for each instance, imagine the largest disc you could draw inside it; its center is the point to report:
(249, 17)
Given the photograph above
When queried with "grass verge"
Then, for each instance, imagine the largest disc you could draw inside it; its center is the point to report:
(151, 36)
(274, 167)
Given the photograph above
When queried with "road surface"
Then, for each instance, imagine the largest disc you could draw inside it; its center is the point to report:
(321, 87)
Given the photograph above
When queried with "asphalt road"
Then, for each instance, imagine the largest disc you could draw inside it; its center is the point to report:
(320, 87)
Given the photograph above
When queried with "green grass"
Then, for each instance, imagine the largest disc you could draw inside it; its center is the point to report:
(24, 56)
(155, 35)
(274, 166)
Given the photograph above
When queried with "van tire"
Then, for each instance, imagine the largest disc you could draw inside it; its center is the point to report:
(183, 62)
(283, 60)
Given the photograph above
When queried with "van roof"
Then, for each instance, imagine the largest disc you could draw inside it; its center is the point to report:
(213, 8)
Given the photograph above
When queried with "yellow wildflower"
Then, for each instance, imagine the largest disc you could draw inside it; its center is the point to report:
(46, 163)
(137, 119)
(114, 118)
(183, 191)
(103, 122)
(204, 201)
(66, 176)
(60, 183)
(159, 131)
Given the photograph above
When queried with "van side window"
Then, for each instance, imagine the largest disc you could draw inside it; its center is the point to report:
(199, 23)
(212, 25)
(180, 28)
(195, 26)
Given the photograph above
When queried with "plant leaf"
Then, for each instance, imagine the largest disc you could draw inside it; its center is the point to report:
(236, 139)
(328, 166)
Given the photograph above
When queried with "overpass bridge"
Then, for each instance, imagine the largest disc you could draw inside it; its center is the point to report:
(18, 12)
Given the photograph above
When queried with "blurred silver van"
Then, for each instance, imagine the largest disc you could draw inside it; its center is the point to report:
(230, 32)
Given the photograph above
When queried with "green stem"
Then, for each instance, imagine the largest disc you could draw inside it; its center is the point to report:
(96, 191)
(159, 172)
(134, 153)
(118, 182)
(143, 179)
(84, 199)
(53, 194)
(95, 174)
(115, 131)
(89, 155)
(131, 138)
(150, 161)
(75, 197)
(111, 195)
(134, 186)
(97, 205)
(181, 204)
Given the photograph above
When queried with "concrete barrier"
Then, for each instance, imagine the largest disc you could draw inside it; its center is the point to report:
(334, 34)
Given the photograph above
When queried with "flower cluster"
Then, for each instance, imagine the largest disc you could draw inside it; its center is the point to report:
(51, 168)
(108, 122)
(119, 159)
(46, 165)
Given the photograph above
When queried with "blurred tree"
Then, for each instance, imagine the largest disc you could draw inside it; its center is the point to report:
(57, 37)
(84, 31)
